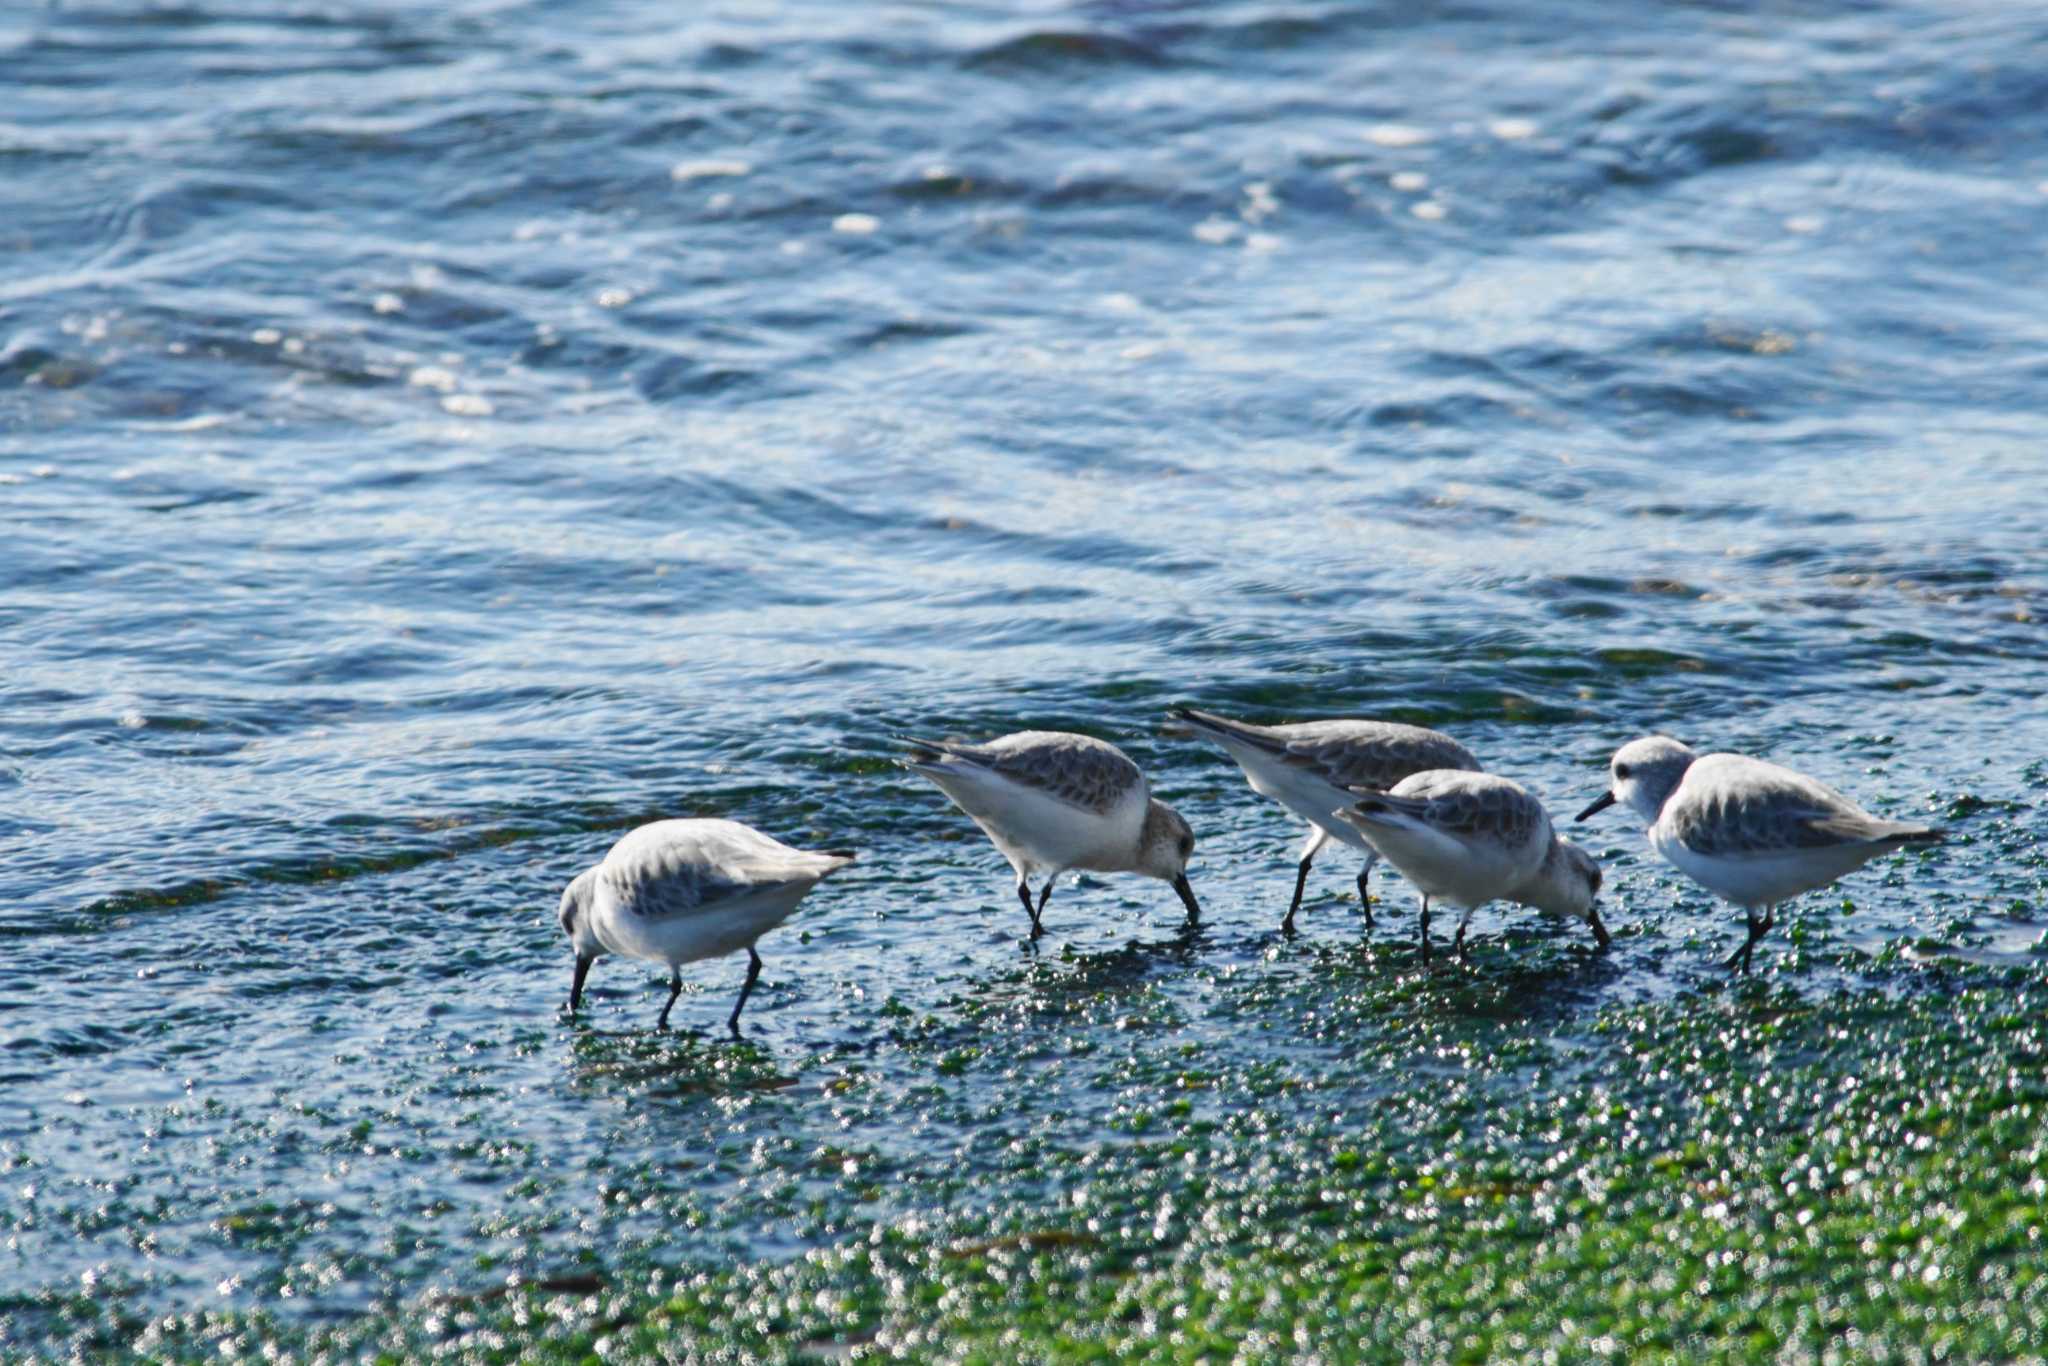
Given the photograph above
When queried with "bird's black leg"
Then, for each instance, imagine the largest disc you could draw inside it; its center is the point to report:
(1759, 926)
(1425, 929)
(1037, 922)
(1364, 896)
(1458, 943)
(1300, 881)
(746, 990)
(675, 989)
(1024, 895)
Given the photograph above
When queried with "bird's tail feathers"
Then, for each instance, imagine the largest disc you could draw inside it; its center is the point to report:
(1861, 829)
(923, 751)
(1223, 728)
(1375, 807)
(1379, 799)
(845, 856)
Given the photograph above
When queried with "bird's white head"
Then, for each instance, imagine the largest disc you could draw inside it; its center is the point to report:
(1643, 775)
(579, 900)
(1165, 845)
(1566, 884)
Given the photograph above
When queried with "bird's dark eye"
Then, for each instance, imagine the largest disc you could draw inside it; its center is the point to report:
(1187, 846)
(1621, 770)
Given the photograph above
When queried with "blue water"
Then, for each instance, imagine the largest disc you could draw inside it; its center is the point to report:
(435, 438)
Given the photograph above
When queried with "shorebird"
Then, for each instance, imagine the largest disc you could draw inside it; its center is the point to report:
(1750, 832)
(1053, 801)
(678, 891)
(1310, 767)
(1470, 838)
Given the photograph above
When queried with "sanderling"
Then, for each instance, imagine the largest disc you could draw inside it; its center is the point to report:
(1469, 838)
(677, 891)
(1748, 831)
(1053, 801)
(1310, 768)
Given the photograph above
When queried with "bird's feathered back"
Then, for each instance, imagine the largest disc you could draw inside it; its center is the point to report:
(680, 867)
(1343, 753)
(1733, 805)
(1080, 770)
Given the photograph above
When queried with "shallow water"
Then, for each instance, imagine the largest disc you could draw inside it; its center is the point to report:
(433, 442)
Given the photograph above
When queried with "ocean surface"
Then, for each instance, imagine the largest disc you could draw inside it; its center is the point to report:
(434, 439)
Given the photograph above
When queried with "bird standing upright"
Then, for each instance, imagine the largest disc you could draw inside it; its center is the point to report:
(1749, 831)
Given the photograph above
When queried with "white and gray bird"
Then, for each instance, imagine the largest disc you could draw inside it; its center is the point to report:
(1310, 767)
(1470, 838)
(1052, 801)
(1748, 831)
(678, 891)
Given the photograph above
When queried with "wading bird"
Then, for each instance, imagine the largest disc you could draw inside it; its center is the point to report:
(678, 891)
(1748, 831)
(1051, 801)
(1310, 767)
(1470, 838)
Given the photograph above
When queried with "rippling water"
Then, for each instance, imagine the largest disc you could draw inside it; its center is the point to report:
(435, 438)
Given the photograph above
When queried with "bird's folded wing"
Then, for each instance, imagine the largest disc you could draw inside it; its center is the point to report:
(1092, 779)
(1761, 819)
(660, 889)
(1084, 773)
(1498, 813)
(1860, 827)
(1375, 760)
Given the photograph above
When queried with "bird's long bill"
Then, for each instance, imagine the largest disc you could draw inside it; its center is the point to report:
(576, 982)
(1187, 898)
(1605, 800)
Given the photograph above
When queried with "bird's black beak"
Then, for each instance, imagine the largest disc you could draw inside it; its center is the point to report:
(1606, 799)
(576, 982)
(1600, 934)
(1187, 899)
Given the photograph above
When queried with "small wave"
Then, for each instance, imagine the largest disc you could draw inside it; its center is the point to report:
(1056, 51)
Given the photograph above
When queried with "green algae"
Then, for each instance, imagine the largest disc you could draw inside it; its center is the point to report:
(1347, 1159)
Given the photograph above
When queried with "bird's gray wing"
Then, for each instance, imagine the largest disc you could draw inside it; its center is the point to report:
(1080, 770)
(1499, 813)
(655, 891)
(1772, 810)
(1376, 754)
(1089, 774)
(659, 878)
